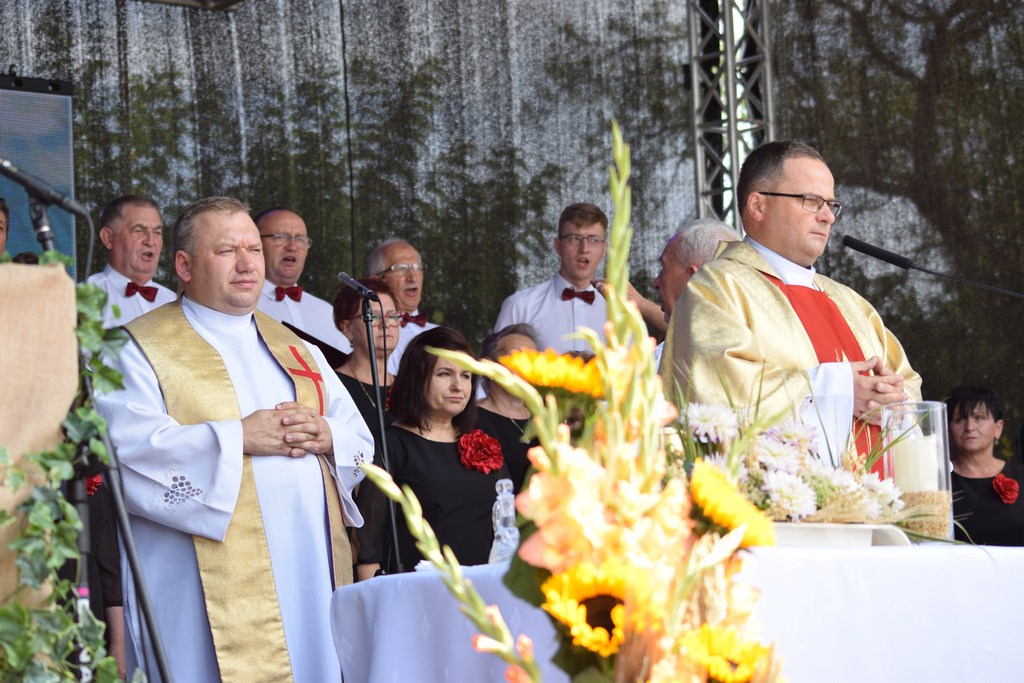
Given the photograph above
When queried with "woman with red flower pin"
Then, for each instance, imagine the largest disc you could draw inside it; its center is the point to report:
(432, 446)
(986, 488)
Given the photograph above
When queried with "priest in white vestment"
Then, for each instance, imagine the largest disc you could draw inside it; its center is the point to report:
(240, 553)
(758, 328)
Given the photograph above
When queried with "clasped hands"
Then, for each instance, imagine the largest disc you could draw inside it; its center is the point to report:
(288, 429)
(881, 387)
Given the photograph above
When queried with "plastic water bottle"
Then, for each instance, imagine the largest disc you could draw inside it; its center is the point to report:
(503, 516)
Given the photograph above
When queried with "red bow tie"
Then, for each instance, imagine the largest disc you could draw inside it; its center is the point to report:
(147, 293)
(569, 294)
(420, 319)
(293, 293)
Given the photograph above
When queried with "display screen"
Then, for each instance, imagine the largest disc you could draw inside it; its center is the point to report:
(36, 136)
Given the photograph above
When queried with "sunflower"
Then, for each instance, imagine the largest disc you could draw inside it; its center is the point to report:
(590, 602)
(550, 370)
(719, 502)
(727, 657)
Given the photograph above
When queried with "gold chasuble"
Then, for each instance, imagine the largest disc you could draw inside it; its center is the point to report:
(737, 340)
(237, 576)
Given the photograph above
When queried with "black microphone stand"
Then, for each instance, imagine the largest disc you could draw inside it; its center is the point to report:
(906, 264)
(112, 476)
(379, 405)
(41, 222)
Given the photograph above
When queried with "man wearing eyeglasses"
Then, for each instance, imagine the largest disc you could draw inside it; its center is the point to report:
(285, 247)
(131, 231)
(758, 328)
(399, 264)
(568, 301)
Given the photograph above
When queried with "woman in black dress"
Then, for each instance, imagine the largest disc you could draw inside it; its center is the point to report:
(986, 488)
(433, 448)
(355, 375)
(501, 414)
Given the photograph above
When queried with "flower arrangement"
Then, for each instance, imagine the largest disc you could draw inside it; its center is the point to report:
(781, 474)
(633, 562)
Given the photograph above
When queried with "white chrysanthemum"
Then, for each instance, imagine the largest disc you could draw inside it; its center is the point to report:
(777, 455)
(840, 479)
(712, 423)
(789, 496)
(884, 490)
(796, 434)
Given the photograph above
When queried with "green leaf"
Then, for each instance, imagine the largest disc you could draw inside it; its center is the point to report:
(15, 478)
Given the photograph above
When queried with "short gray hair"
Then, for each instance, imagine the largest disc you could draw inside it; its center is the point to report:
(697, 241)
(184, 227)
(375, 261)
(489, 346)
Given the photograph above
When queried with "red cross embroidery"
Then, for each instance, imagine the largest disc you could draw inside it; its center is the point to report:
(307, 371)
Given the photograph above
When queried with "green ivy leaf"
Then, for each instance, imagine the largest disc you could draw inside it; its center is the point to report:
(15, 478)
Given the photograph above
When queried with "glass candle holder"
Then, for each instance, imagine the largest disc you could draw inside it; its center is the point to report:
(917, 459)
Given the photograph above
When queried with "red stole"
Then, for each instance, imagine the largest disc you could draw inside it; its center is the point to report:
(833, 342)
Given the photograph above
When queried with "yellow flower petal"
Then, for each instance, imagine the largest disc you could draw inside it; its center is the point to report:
(722, 503)
(547, 369)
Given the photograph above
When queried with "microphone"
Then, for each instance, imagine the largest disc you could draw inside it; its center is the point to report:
(40, 190)
(906, 264)
(355, 284)
(878, 253)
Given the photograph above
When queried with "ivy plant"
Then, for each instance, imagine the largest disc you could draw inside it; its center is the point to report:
(59, 639)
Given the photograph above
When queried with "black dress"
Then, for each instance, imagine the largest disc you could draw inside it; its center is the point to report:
(984, 515)
(508, 431)
(456, 501)
(371, 502)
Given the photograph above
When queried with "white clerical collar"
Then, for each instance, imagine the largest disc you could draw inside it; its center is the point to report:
(207, 316)
(561, 283)
(789, 272)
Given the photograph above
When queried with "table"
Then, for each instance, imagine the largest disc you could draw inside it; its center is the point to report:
(921, 613)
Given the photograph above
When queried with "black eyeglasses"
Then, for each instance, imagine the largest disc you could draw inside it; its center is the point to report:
(810, 202)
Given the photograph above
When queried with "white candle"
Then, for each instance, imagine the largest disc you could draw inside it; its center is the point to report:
(915, 462)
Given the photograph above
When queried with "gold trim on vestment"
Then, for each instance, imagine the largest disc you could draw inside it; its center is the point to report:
(237, 576)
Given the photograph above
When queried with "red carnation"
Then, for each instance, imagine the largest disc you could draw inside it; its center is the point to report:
(480, 452)
(1006, 488)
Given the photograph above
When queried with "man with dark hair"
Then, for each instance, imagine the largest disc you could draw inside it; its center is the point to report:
(133, 235)
(239, 449)
(285, 247)
(759, 329)
(568, 301)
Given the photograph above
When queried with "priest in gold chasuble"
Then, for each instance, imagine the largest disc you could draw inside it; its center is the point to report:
(757, 328)
(239, 449)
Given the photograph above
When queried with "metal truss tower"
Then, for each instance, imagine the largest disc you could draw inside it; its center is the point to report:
(731, 95)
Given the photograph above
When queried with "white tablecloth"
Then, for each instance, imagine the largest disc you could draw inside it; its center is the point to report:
(924, 613)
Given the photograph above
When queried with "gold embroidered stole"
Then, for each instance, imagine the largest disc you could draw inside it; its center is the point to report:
(237, 577)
